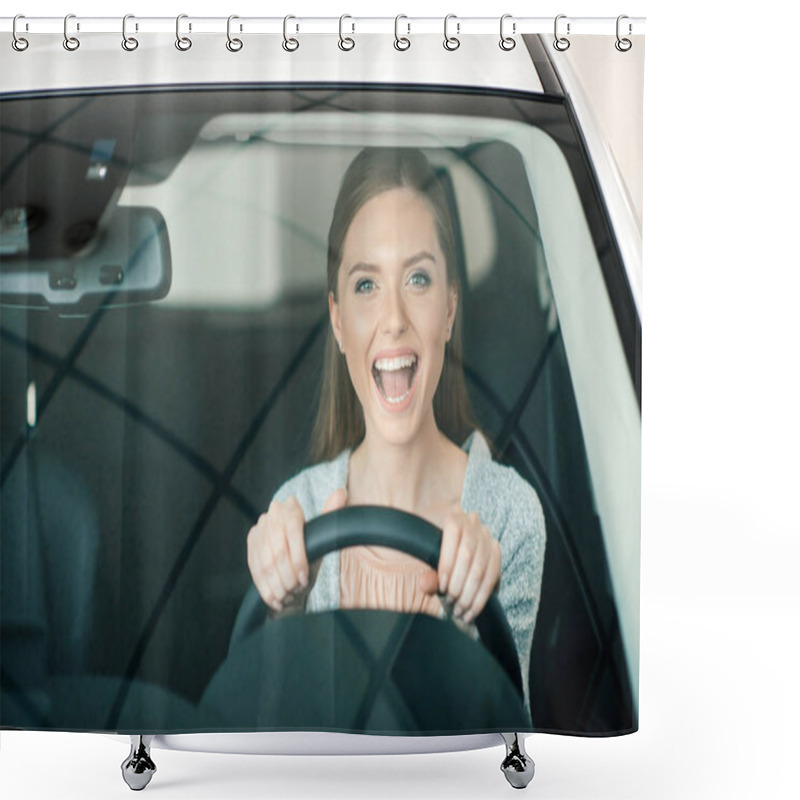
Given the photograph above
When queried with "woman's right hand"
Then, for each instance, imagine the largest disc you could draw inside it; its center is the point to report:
(276, 550)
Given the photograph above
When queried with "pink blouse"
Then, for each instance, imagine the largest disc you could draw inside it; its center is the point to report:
(369, 581)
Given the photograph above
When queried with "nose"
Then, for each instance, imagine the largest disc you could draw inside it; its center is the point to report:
(394, 320)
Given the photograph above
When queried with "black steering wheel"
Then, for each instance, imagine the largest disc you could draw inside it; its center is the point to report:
(387, 527)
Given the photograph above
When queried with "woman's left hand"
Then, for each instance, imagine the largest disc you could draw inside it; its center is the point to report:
(469, 564)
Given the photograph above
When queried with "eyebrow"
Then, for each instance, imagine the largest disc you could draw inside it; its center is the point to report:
(363, 266)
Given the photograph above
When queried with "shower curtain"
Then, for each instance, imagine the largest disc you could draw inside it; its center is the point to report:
(357, 297)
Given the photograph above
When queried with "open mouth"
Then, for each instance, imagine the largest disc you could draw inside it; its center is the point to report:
(394, 377)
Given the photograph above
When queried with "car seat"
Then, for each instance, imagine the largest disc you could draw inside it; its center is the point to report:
(48, 555)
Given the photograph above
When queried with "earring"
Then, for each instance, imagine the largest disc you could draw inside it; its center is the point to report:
(341, 346)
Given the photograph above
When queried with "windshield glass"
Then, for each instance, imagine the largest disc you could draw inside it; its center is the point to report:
(164, 320)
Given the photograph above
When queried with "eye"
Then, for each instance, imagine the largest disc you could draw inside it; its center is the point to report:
(364, 285)
(420, 278)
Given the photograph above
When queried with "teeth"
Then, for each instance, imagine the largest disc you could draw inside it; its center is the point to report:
(395, 400)
(392, 364)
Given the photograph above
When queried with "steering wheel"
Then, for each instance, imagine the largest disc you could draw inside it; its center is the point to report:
(387, 527)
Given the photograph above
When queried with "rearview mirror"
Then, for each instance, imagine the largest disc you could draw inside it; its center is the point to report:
(127, 262)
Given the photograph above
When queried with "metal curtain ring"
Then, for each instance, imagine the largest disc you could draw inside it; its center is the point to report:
(561, 43)
(18, 43)
(623, 45)
(289, 44)
(233, 44)
(70, 42)
(182, 42)
(346, 42)
(507, 42)
(401, 42)
(129, 43)
(451, 42)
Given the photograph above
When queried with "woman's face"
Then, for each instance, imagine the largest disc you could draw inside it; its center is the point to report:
(394, 312)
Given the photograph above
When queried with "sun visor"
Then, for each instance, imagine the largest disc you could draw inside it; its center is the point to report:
(64, 161)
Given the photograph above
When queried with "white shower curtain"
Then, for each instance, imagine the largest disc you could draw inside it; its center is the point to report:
(247, 262)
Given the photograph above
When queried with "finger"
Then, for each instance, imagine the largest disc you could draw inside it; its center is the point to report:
(281, 576)
(274, 588)
(474, 576)
(257, 566)
(296, 541)
(451, 537)
(276, 553)
(254, 562)
(466, 552)
(429, 582)
(490, 580)
(336, 501)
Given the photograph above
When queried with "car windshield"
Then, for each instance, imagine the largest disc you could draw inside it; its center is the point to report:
(164, 310)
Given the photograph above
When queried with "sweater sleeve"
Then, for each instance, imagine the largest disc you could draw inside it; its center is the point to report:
(522, 542)
(297, 486)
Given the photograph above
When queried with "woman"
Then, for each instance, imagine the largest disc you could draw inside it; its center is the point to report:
(394, 403)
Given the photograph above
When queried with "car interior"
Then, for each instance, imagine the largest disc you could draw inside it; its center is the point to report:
(161, 339)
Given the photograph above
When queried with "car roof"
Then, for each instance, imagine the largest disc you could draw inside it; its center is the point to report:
(47, 66)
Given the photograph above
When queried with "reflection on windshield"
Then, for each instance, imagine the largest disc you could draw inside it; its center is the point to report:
(160, 431)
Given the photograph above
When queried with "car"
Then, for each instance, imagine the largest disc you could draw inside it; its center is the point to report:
(162, 290)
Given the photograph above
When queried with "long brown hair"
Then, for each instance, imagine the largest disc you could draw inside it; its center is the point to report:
(340, 418)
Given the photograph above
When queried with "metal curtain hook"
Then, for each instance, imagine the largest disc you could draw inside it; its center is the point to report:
(233, 44)
(560, 43)
(182, 42)
(70, 42)
(401, 42)
(289, 44)
(623, 45)
(129, 43)
(346, 42)
(18, 43)
(451, 42)
(506, 42)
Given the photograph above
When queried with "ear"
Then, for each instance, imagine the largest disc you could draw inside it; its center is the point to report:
(333, 312)
(452, 305)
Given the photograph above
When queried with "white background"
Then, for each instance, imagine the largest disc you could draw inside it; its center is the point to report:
(720, 697)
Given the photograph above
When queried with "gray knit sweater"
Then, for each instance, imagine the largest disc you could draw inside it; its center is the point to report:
(505, 503)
